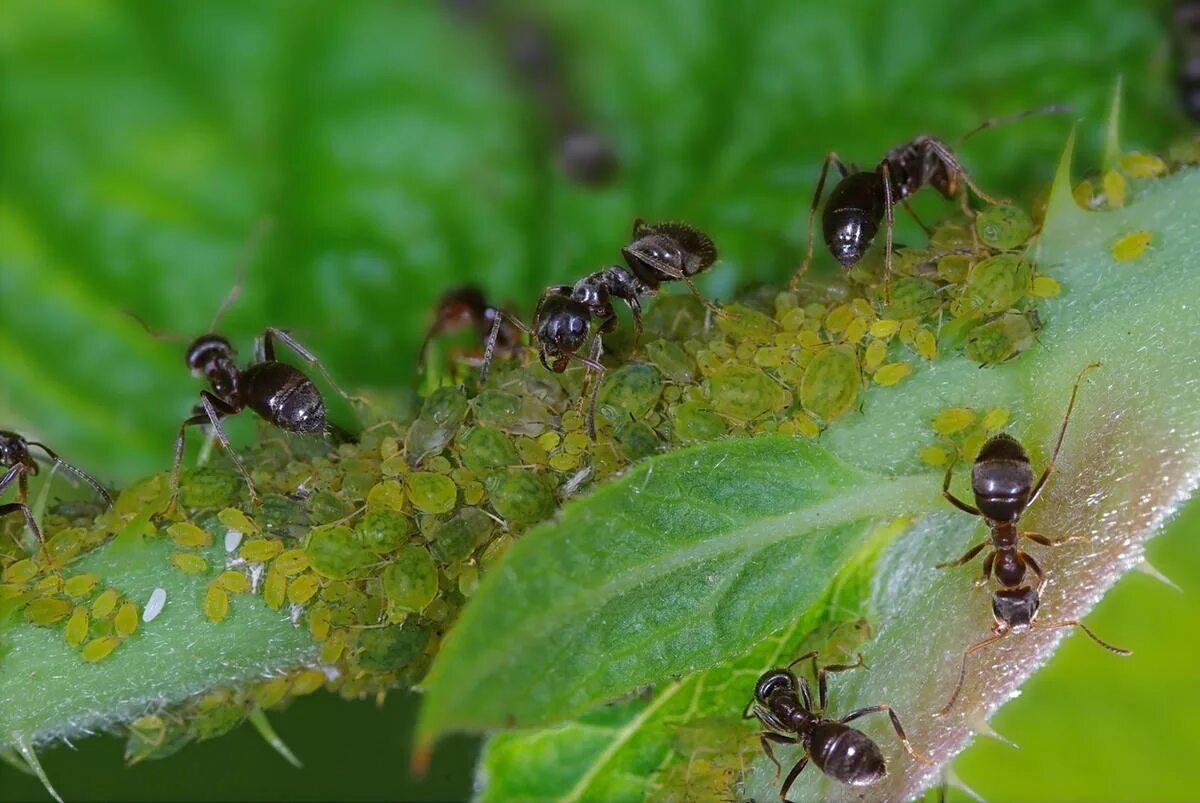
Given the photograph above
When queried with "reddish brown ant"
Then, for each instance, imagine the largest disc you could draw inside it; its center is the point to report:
(21, 465)
(1003, 484)
(783, 703)
(864, 198)
(465, 308)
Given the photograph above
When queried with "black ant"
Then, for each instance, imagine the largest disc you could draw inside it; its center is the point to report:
(783, 703)
(864, 198)
(1003, 484)
(564, 313)
(20, 464)
(277, 392)
(464, 308)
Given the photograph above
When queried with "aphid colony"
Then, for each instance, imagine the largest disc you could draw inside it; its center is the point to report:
(399, 524)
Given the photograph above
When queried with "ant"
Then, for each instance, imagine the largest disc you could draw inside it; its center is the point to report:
(1003, 484)
(20, 464)
(277, 392)
(565, 313)
(783, 703)
(864, 198)
(465, 307)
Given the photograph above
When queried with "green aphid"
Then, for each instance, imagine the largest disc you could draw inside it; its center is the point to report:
(275, 587)
(390, 648)
(216, 603)
(65, 545)
(209, 487)
(383, 530)
(77, 626)
(1003, 227)
(234, 582)
(235, 519)
(457, 537)
(497, 409)
(386, 495)
(831, 383)
(1002, 338)
(696, 422)
(325, 507)
(278, 512)
(216, 715)
(744, 393)
(430, 492)
(678, 317)
(994, 285)
(670, 358)
(741, 323)
(189, 535)
(22, 571)
(153, 737)
(125, 623)
(484, 451)
(106, 603)
(334, 552)
(47, 610)
(99, 648)
(411, 580)
(633, 388)
(270, 692)
(80, 585)
(441, 415)
(520, 497)
(260, 550)
(913, 297)
(636, 439)
(309, 680)
(290, 562)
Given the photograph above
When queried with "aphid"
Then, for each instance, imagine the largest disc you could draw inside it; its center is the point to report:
(466, 308)
(783, 703)
(20, 465)
(277, 392)
(1003, 483)
(864, 198)
(1132, 245)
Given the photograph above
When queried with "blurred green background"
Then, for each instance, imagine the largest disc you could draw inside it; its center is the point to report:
(403, 148)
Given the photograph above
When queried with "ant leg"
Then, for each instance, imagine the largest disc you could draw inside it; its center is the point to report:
(913, 214)
(1038, 538)
(635, 308)
(766, 737)
(78, 472)
(830, 158)
(954, 500)
(1062, 433)
(214, 409)
(924, 759)
(966, 558)
(1084, 628)
(489, 347)
(13, 507)
(962, 670)
(305, 354)
(791, 778)
(988, 563)
(954, 166)
(1028, 560)
(822, 689)
(595, 376)
(890, 222)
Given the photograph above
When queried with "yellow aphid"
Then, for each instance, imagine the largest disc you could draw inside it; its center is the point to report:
(892, 373)
(1131, 246)
(318, 623)
(839, 318)
(126, 621)
(862, 308)
(189, 535)
(260, 550)
(806, 426)
(190, 563)
(1114, 189)
(332, 649)
(20, 572)
(953, 419)
(292, 561)
(77, 626)
(235, 519)
(973, 443)
(216, 603)
(560, 461)
(926, 344)
(1083, 193)
(50, 584)
(549, 440)
(1142, 165)
(234, 582)
(47, 610)
(473, 491)
(934, 456)
(856, 331)
(884, 328)
(1044, 287)
(386, 495)
(99, 648)
(274, 590)
(105, 604)
(80, 585)
(308, 682)
(994, 419)
(576, 443)
(269, 693)
(874, 355)
(302, 589)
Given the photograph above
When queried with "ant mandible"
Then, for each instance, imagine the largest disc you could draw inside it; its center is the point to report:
(20, 464)
(466, 307)
(783, 703)
(1003, 484)
(864, 198)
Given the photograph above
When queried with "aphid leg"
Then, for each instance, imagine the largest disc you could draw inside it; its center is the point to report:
(766, 737)
(962, 670)
(489, 347)
(268, 349)
(78, 472)
(954, 500)
(830, 158)
(822, 687)
(791, 778)
(1062, 433)
(924, 759)
(1038, 538)
(214, 410)
(1085, 629)
(967, 557)
(890, 222)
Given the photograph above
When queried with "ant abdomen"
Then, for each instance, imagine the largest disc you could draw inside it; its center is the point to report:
(846, 755)
(284, 396)
(1002, 479)
(852, 217)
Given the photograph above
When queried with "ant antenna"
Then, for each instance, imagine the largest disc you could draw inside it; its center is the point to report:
(991, 122)
(78, 472)
(253, 241)
(170, 336)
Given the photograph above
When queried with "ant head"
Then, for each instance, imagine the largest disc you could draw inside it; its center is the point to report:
(1002, 478)
(675, 247)
(207, 351)
(460, 307)
(562, 327)
(1015, 608)
(774, 681)
(13, 449)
